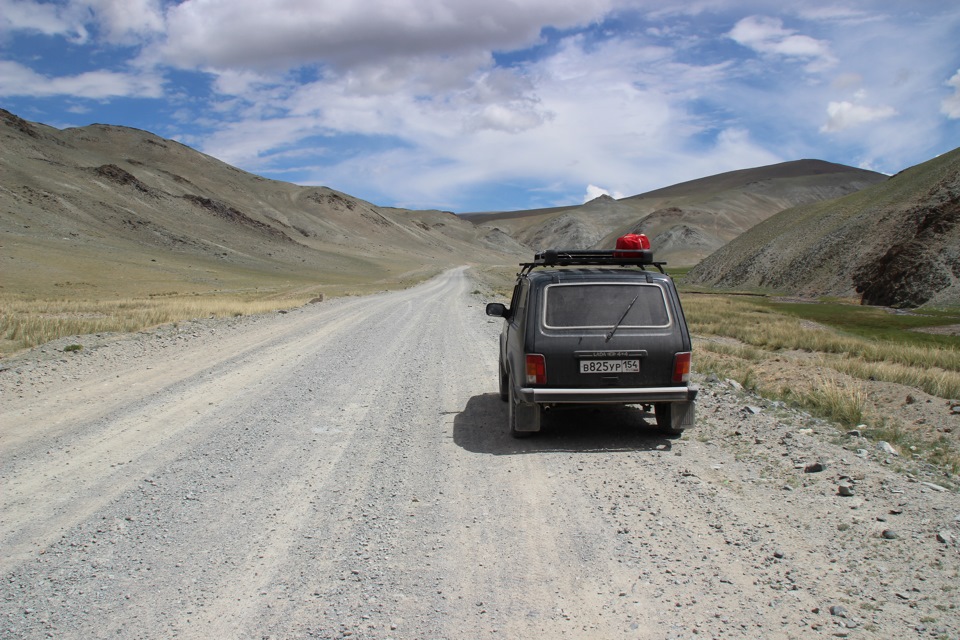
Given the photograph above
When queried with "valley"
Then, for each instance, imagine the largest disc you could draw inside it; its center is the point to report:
(344, 470)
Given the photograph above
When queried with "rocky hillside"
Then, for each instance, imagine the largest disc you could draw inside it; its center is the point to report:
(895, 244)
(690, 220)
(101, 205)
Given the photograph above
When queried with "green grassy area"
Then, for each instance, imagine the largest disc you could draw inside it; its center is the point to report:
(677, 273)
(874, 323)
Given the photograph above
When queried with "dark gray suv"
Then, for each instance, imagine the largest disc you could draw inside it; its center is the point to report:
(594, 327)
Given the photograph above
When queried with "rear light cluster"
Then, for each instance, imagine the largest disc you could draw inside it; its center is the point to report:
(536, 369)
(681, 367)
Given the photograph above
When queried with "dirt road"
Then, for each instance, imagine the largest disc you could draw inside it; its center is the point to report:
(344, 470)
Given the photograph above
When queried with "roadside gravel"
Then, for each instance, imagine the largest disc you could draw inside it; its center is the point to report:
(344, 470)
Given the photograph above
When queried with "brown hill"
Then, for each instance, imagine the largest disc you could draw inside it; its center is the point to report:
(104, 206)
(896, 244)
(686, 221)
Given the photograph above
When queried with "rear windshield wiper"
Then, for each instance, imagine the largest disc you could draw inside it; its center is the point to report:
(625, 312)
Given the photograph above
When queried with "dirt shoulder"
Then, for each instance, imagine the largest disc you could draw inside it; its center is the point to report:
(344, 470)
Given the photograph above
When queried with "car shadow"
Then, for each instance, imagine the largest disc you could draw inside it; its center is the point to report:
(482, 428)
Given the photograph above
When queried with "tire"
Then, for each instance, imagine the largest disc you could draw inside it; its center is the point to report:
(664, 413)
(504, 385)
(512, 406)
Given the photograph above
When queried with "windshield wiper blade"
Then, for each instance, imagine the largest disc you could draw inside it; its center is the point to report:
(625, 312)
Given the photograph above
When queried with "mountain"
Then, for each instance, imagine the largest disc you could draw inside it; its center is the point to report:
(104, 206)
(689, 220)
(894, 244)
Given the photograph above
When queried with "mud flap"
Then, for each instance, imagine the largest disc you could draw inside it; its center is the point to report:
(682, 416)
(528, 416)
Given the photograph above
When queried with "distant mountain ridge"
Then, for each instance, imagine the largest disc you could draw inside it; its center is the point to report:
(689, 220)
(117, 203)
(894, 244)
(99, 206)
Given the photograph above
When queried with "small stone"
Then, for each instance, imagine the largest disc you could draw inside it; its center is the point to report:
(889, 534)
(778, 554)
(753, 410)
(855, 433)
(887, 448)
(736, 385)
(838, 610)
(935, 487)
(845, 490)
(945, 537)
(815, 467)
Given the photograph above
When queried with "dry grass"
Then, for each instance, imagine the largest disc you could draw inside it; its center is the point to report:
(28, 323)
(822, 370)
(834, 399)
(753, 324)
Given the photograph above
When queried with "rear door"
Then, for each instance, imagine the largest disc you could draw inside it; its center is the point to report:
(608, 332)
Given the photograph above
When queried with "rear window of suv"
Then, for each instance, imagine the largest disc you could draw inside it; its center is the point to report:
(601, 305)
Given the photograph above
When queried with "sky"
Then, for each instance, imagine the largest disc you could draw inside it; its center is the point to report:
(467, 105)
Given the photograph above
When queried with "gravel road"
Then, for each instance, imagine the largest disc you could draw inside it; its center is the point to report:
(344, 470)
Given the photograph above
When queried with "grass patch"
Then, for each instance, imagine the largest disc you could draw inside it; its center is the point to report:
(28, 323)
(755, 322)
(833, 400)
(875, 323)
(834, 354)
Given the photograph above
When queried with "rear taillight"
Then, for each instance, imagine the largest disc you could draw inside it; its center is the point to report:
(681, 367)
(536, 369)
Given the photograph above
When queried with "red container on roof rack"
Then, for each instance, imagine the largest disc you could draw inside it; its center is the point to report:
(631, 242)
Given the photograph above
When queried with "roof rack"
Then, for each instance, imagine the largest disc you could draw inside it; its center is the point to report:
(592, 257)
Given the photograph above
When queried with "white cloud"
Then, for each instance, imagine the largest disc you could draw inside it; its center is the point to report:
(124, 20)
(39, 17)
(290, 33)
(118, 21)
(845, 115)
(614, 109)
(769, 37)
(594, 192)
(951, 105)
(18, 80)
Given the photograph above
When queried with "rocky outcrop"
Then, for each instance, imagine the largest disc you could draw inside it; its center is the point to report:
(894, 244)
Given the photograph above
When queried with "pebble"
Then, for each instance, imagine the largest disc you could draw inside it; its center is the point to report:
(887, 448)
(889, 534)
(945, 537)
(845, 490)
(838, 610)
(815, 467)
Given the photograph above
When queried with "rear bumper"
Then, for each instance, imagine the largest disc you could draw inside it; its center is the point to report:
(640, 395)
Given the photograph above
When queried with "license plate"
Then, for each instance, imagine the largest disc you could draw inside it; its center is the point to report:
(609, 366)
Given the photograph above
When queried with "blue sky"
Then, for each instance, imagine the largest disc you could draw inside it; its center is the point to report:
(501, 104)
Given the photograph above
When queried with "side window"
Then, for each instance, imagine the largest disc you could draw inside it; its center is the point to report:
(518, 305)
